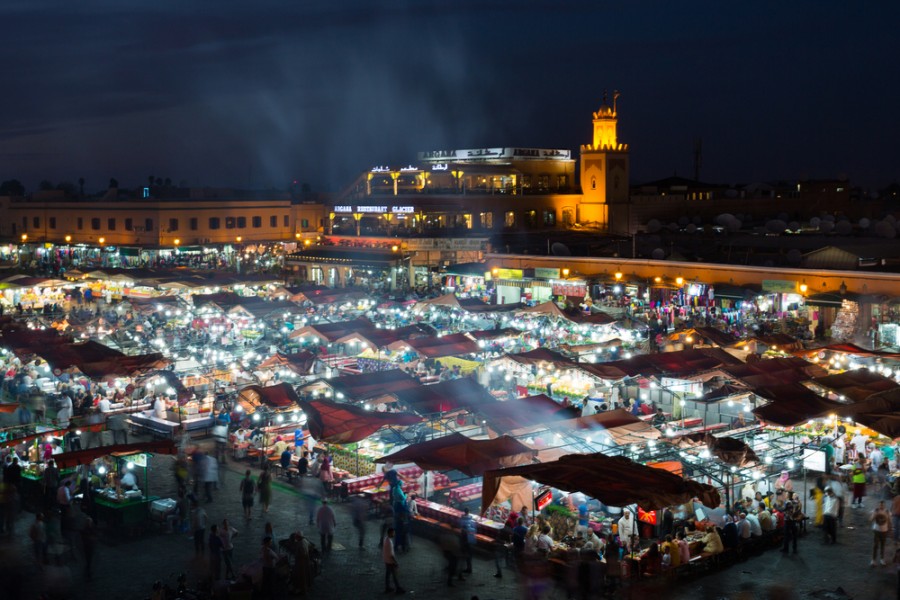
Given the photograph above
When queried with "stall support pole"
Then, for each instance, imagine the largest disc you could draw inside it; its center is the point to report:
(805, 494)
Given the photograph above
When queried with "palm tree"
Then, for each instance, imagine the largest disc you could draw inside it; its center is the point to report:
(81, 186)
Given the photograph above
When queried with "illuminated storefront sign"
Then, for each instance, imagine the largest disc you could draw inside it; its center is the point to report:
(779, 286)
(509, 274)
(546, 273)
(481, 154)
(346, 208)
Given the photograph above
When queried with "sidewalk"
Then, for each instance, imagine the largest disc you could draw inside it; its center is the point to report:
(125, 568)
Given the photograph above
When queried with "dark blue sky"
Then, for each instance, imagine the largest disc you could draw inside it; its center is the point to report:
(219, 93)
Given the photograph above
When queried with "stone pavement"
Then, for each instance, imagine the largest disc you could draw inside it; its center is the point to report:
(125, 568)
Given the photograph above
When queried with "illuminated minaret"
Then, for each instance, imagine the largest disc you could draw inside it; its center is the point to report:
(604, 168)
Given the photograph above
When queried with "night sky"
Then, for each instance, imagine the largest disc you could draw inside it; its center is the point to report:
(238, 93)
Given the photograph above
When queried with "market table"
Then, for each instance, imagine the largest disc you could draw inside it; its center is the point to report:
(465, 493)
(451, 516)
(128, 513)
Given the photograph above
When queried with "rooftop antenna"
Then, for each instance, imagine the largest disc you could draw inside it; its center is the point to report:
(616, 95)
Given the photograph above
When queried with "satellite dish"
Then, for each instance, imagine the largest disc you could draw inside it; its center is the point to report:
(658, 254)
(558, 249)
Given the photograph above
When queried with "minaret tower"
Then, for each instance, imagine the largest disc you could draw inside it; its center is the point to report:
(604, 168)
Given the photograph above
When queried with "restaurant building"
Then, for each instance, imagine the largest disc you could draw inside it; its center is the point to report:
(489, 189)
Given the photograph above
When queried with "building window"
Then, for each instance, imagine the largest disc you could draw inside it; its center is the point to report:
(37, 222)
(257, 222)
(486, 220)
(568, 217)
(593, 183)
(129, 225)
(173, 224)
(510, 219)
(95, 224)
(52, 222)
(80, 223)
(214, 223)
(304, 223)
(526, 182)
(273, 221)
(562, 182)
(242, 222)
(148, 224)
(110, 224)
(193, 223)
(543, 182)
(286, 220)
(530, 219)
(229, 222)
(550, 218)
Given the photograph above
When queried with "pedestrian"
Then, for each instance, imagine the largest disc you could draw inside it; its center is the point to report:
(38, 535)
(264, 482)
(858, 477)
(360, 512)
(88, 539)
(390, 564)
(895, 518)
(451, 550)
(248, 489)
(791, 528)
(312, 492)
(326, 524)
(215, 553)
(830, 511)
(210, 476)
(228, 533)
(198, 526)
(268, 558)
(285, 462)
(881, 523)
(326, 474)
(467, 538)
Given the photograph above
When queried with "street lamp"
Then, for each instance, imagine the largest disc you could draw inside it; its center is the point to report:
(565, 272)
(177, 242)
(679, 281)
(24, 237)
(102, 240)
(618, 276)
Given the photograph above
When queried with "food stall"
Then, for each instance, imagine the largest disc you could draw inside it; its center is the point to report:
(122, 500)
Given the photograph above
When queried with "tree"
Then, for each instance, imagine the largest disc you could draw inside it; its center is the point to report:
(81, 186)
(159, 181)
(12, 187)
(168, 182)
(150, 180)
(113, 183)
(45, 185)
